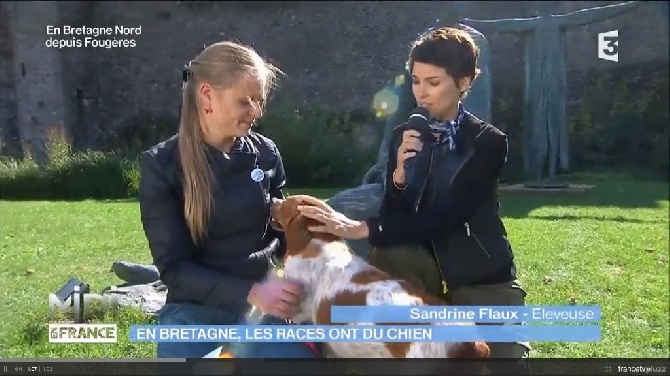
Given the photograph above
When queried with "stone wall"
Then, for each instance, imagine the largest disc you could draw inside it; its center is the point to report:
(8, 115)
(335, 53)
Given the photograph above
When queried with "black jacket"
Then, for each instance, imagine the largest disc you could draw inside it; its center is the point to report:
(240, 244)
(456, 211)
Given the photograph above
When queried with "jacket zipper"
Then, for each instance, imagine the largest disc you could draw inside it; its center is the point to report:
(439, 267)
(425, 181)
(416, 208)
(472, 235)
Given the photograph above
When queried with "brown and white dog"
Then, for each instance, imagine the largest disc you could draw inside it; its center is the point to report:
(333, 275)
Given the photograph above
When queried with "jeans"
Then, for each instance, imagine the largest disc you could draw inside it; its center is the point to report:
(190, 314)
(266, 350)
(193, 314)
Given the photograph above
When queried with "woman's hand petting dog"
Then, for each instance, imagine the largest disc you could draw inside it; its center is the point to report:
(334, 223)
(277, 297)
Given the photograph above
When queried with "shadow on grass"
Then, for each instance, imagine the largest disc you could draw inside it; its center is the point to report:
(322, 193)
(608, 191)
(592, 218)
(611, 190)
(77, 199)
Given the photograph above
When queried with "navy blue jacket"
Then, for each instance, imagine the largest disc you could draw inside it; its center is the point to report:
(240, 246)
(455, 213)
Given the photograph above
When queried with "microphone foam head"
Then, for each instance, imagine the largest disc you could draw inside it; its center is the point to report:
(420, 112)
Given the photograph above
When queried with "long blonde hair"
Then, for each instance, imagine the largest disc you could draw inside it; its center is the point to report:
(219, 65)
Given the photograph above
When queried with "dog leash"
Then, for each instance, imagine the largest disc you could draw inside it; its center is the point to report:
(228, 354)
(312, 346)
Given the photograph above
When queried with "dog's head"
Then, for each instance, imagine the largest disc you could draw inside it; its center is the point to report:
(284, 212)
(287, 218)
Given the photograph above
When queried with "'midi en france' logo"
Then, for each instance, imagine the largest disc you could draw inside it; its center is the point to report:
(82, 333)
(83, 303)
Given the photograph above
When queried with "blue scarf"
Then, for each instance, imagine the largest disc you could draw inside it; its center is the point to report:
(449, 128)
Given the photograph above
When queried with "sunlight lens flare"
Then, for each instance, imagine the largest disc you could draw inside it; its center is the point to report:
(386, 101)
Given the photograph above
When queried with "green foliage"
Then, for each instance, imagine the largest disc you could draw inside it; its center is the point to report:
(71, 175)
(618, 121)
(508, 116)
(621, 127)
(318, 145)
(141, 133)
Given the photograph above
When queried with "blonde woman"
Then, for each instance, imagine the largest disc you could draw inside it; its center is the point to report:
(205, 205)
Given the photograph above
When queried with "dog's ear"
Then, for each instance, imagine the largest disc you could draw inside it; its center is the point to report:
(304, 202)
(314, 202)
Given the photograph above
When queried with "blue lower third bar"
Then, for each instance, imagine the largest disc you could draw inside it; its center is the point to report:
(479, 314)
(365, 333)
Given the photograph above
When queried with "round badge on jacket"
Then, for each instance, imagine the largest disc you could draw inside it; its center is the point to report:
(257, 175)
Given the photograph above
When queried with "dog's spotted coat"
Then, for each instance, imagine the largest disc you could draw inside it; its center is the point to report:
(334, 275)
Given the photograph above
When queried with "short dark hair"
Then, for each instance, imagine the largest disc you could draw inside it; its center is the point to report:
(447, 47)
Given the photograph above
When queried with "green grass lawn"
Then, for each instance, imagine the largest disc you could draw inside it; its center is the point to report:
(607, 247)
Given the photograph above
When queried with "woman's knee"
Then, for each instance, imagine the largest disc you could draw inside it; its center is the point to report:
(395, 260)
(412, 263)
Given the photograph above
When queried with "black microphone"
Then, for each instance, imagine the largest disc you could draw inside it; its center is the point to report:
(417, 166)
